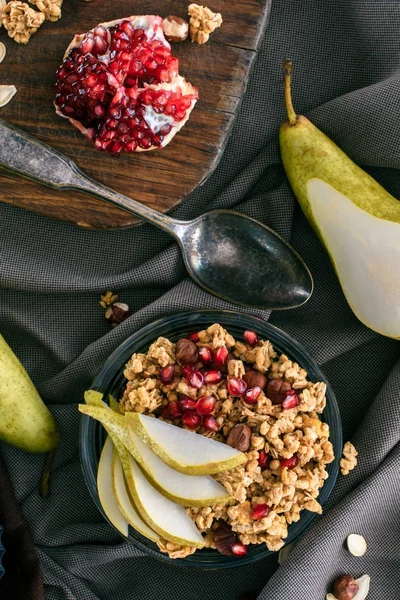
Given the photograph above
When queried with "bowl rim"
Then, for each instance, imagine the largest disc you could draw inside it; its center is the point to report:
(214, 315)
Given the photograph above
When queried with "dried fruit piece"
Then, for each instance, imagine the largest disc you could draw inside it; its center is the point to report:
(186, 352)
(167, 374)
(205, 405)
(255, 379)
(21, 21)
(356, 544)
(191, 419)
(345, 588)
(289, 462)
(175, 28)
(260, 511)
(236, 386)
(239, 437)
(251, 338)
(239, 549)
(119, 85)
(210, 423)
(263, 460)
(277, 390)
(250, 396)
(224, 538)
(6, 93)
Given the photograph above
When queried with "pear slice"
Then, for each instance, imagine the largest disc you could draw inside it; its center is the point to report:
(200, 490)
(184, 451)
(114, 404)
(94, 398)
(124, 502)
(105, 490)
(168, 519)
(177, 486)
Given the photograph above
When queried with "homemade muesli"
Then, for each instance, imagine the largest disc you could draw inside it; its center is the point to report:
(247, 395)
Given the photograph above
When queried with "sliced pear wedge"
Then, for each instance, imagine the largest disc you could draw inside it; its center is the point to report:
(124, 502)
(189, 490)
(184, 451)
(114, 404)
(167, 518)
(105, 490)
(93, 398)
(179, 487)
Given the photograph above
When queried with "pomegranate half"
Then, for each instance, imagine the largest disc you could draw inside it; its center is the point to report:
(119, 85)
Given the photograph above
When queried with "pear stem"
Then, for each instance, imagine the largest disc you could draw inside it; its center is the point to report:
(287, 71)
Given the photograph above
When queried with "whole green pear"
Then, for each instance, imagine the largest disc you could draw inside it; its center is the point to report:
(356, 219)
(25, 421)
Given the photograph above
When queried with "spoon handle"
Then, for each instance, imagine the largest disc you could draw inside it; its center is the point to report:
(27, 156)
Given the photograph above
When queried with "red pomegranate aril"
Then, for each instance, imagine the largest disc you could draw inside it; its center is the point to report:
(251, 395)
(289, 463)
(220, 355)
(251, 338)
(191, 419)
(263, 460)
(291, 400)
(193, 337)
(167, 374)
(187, 404)
(260, 511)
(210, 423)
(205, 355)
(205, 405)
(173, 411)
(211, 376)
(236, 386)
(187, 370)
(239, 549)
(195, 379)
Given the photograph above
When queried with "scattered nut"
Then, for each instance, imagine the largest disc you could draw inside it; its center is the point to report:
(345, 588)
(21, 21)
(363, 587)
(3, 50)
(187, 352)
(6, 93)
(254, 378)
(356, 544)
(50, 8)
(277, 390)
(117, 312)
(239, 437)
(202, 22)
(175, 28)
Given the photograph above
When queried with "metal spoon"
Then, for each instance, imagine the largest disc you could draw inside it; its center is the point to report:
(227, 253)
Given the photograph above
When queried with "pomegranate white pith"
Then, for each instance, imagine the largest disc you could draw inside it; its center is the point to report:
(119, 85)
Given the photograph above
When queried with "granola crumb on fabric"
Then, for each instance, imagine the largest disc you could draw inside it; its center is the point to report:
(288, 449)
(349, 462)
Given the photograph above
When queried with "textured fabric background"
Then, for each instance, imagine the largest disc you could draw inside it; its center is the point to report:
(347, 79)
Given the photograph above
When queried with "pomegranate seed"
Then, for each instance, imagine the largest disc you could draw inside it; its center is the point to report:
(191, 419)
(251, 395)
(205, 405)
(251, 338)
(193, 337)
(238, 549)
(289, 462)
(173, 411)
(291, 400)
(263, 460)
(260, 511)
(195, 379)
(211, 376)
(167, 373)
(187, 370)
(187, 404)
(221, 355)
(236, 386)
(210, 423)
(205, 355)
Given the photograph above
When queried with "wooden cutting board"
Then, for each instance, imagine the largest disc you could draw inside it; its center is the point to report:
(162, 178)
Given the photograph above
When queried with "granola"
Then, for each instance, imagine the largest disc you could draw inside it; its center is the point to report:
(288, 444)
(349, 462)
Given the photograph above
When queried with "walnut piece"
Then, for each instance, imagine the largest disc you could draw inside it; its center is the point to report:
(50, 8)
(349, 461)
(21, 21)
(202, 22)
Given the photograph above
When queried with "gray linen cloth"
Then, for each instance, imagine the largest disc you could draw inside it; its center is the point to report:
(347, 59)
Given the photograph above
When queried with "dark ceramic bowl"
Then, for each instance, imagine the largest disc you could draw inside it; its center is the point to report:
(110, 380)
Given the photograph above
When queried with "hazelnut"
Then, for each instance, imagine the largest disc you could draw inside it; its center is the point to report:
(345, 588)
(175, 28)
(224, 538)
(277, 390)
(255, 379)
(239, 437)
(186, 352)
(117, 312)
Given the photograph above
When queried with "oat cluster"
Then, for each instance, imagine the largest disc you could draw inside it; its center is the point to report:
(202, 22)
(281, 434)
(349, 460)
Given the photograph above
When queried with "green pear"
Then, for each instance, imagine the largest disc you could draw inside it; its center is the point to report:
(182, 488)
(357, 220)
(25, 420)
(105, 489)
(184, 451)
